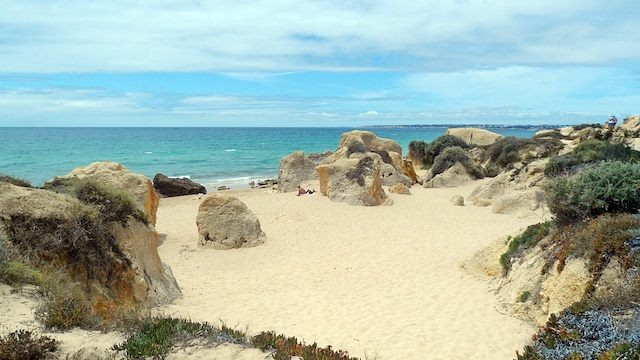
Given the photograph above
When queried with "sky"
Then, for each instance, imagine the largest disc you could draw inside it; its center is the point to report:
(317, 63)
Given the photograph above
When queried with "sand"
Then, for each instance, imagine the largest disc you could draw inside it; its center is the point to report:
(380, 282)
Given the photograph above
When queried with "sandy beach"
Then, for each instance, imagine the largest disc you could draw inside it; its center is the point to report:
(380, 282)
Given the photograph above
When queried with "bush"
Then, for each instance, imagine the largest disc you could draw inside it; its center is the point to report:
(427, 153)
(114, 204)
(14, 181)
(155, 337)
(24, 345)
(506, 150)
(585, 125)
(285, 347)
(613, 187)
(449, 157)
(18, 274)
(590, 151)
(529, 238)
(65, 305)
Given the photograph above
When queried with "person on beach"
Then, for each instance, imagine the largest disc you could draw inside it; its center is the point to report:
(302, 191)
(611, 123)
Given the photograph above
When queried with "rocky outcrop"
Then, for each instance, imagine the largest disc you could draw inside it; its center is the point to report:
(225, 222)
(473, 136)
(294, 169)
(170, 187)
(354, 181)
(404, 165)
(454, 176)
(400, 189)
(391, 176)
(368, 141)
(518, 191)
(116, 264)
(118, 176)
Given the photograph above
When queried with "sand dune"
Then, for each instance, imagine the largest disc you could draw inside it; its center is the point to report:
(381, 282)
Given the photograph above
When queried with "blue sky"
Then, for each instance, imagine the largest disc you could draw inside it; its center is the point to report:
(317, 63)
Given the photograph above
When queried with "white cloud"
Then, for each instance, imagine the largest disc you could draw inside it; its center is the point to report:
(283, 36)
(369, 114)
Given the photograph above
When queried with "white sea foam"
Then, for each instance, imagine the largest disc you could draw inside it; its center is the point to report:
(230, 150)
(148, 152)
(182, 176)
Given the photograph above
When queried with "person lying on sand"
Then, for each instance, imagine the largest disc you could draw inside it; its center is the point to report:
(302, 191)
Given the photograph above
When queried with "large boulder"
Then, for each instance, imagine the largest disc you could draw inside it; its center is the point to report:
(354, 181)
(115, 263)
(454, 176)
(368, 141)
(473, 136)
(118, 176)
(170, 187)
(294, 169)
(225, 222)
(391, 176)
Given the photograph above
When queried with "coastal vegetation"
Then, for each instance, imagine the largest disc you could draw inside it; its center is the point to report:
(455, 154)
(426, 152)
(25, 345)
(14, 181)
(589, 152)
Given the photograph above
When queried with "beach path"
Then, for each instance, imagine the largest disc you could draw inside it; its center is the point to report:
(380, 282)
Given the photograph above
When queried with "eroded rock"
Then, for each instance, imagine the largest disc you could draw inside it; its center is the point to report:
(170, 187)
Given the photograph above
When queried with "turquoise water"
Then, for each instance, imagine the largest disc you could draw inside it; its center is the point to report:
(211, 156)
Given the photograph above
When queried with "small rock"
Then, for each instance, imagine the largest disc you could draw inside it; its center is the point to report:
(457, 200)
(222, 188)
(400, 189)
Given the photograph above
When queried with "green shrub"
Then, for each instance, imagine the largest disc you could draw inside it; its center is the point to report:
(155, 337)
(590, 151)
(285, 347)
(14, 181)
(17, 274)
(114, 204)
(613, 187)
(506, 150)
(449, 157)
(529, 238)
(24, 345)
(427, 153)
(524, 296)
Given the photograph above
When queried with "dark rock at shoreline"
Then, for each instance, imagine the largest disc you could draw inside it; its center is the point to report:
(170, 187)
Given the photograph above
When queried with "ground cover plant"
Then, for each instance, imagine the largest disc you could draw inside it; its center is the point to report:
(14, 181)
(25, 345)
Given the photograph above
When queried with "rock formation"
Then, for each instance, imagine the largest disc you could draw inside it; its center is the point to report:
(118, 176)
(392, 176)
(454, 176)
(354, 181)
(369, 141)
(170, 187)
(115, 264)
(224, 222)
(400, 189)
(473, 136)
(294, 169)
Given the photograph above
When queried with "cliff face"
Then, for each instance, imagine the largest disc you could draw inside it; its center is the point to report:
(114, 263)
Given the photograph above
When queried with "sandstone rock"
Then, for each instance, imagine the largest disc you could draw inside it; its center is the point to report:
(631, 124)
(224, 222)
(560, 290)
(544, 133)
(457, 200)
(454, 176)
(52, 229)
(473, 136)
(294, 169)
(170, 187)
(370, 142)
(118, 176)
(521, 203)
(356, 182)
(391, 176)
(404, 165)
(399, 189)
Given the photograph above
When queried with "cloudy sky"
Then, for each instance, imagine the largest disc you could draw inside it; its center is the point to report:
(317, 63)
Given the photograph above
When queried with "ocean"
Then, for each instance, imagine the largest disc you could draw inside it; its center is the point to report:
(210, 156)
